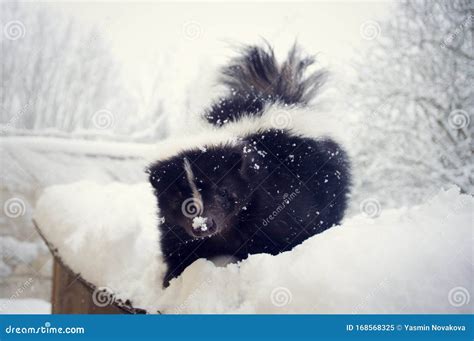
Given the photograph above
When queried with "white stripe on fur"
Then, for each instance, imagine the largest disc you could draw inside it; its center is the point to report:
(190, 176)
(305, 122)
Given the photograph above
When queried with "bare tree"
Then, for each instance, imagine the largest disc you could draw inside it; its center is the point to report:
(58, 76)
(416, 95)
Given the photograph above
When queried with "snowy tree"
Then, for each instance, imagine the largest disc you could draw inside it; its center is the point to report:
(58, 75)
(415, 93)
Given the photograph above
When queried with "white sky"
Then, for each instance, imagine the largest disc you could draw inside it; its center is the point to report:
(177, 41)
(202, 31)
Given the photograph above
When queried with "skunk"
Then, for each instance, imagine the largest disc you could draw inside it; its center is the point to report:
(251, 184)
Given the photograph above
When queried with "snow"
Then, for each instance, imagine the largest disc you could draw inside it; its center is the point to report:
(24, 306)
(199, 223)
(31, 163)
(14, 252)
(108, 234)
(408, 260)
(76, 146)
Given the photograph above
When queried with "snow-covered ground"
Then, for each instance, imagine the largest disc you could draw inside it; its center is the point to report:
(409, 260)
(28, 165)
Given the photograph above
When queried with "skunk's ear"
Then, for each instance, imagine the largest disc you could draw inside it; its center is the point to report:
(241, 162)
(245, 170)
(237, 161)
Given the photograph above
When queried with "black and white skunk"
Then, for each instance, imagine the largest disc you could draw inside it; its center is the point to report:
(257, 181)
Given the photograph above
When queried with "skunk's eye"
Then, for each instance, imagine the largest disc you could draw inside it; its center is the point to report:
(223, 192)
(176, 204)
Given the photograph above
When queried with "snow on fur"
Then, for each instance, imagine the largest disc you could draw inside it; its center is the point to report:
(416, 260)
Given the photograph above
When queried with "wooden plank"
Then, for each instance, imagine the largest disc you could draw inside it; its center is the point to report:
(71, 296)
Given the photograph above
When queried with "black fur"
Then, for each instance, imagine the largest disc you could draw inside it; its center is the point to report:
(255, 79)
(283, 189)
(265, 194)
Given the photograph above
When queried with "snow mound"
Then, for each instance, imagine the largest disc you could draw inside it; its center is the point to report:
(411, 260)
(108, 234)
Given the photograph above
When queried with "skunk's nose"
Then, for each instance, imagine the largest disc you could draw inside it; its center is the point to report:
(207, 229)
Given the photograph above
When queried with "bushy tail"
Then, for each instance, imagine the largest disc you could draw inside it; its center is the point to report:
(255, 79)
